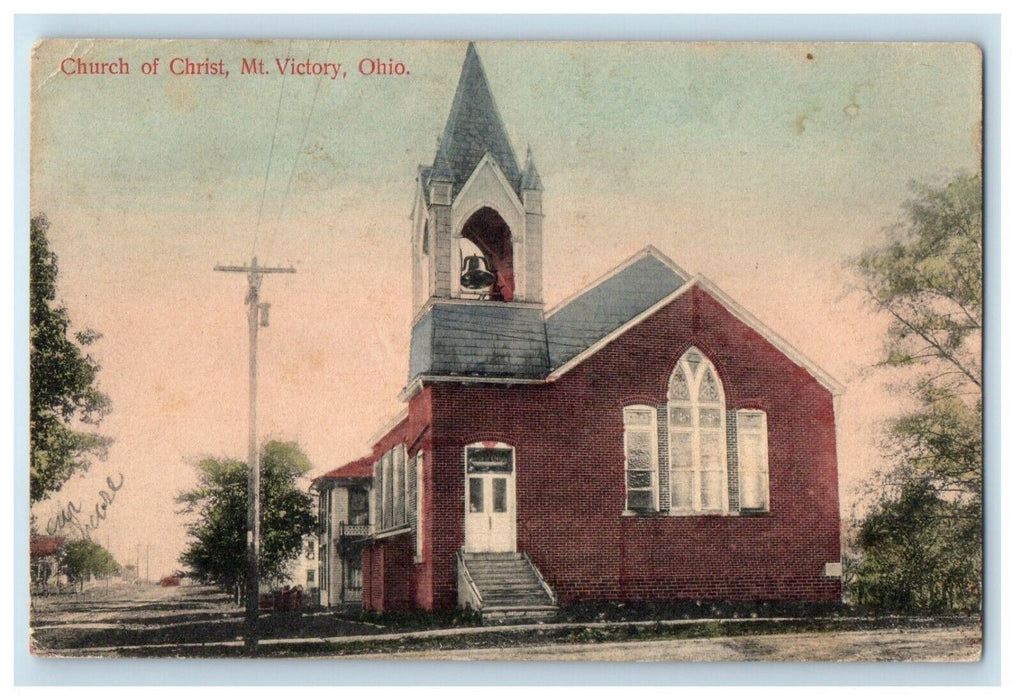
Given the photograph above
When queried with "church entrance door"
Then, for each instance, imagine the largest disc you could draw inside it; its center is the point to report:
(490, 498)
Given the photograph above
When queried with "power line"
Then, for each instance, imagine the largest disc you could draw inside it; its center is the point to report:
(301, 145)
(269, 160)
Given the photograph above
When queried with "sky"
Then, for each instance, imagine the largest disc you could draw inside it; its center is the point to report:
(766, 167)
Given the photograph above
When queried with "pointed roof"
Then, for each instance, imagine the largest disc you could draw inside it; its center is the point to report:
(474, 128)
(530, 178)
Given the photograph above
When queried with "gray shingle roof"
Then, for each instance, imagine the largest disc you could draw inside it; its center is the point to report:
(468, 338)
(609, 305)
(488, 340)
(474, 128)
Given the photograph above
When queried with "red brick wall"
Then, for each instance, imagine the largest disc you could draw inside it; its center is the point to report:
(372, 578)
(399, 582)
(570, 480)
(387, 574)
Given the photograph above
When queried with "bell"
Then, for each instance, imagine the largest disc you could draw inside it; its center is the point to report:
(475, 273)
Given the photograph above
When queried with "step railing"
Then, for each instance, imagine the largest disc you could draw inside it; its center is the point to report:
(539, 577)
(468, 593)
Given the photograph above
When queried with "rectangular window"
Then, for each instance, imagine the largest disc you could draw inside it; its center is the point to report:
(330, 514)
(324, 568)
(354, 582)
(411, 487)
(475, 495)
(377, 515)
(499, 495)
(753, 468)
(641, 462)
(395, 488)
(418, 505)
(322, 513)
(358, 507)
(398, 456)
(489, 459)
(388, 490)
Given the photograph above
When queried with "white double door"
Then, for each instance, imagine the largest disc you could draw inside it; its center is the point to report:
(490, 500)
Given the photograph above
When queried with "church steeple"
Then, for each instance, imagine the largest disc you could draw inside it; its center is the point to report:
(477, 248)
(474, 128)
(477, 208)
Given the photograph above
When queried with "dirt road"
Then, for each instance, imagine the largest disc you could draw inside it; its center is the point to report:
(954, 644)
(200, 621)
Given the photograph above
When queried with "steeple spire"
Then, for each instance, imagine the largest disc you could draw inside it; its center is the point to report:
(530, 177)
(474, 128)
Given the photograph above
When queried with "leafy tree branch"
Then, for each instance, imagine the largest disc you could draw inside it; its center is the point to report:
(63, 380)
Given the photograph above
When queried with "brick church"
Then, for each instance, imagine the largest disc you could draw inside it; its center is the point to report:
(645, 439)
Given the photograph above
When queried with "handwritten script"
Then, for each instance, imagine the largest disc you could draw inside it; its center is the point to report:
(71, 516)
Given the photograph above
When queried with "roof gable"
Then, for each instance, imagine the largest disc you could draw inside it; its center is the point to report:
(487, 182)
(828, 381)
(734, 308)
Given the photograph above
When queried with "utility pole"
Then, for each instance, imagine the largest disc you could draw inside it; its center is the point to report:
(258, 314)
(138, 565)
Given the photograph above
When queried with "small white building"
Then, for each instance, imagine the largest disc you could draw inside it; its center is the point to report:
(305, 569)
(344, 497)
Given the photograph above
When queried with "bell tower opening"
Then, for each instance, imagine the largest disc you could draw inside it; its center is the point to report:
(488, 233)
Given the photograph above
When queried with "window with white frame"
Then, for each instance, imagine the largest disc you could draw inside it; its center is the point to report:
(394, 489)
(641, 463)
(410, 489)
(417, 499)
(376, 497)
(697, 446)
(388, 490)
(398, 465)
(753, 468)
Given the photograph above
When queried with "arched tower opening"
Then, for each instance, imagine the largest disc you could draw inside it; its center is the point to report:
(487, 231)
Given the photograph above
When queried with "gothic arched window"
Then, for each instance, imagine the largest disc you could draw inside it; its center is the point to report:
(696, 437)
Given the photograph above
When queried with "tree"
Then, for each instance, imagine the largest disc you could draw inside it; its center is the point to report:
(921, 553)
(216, 548)
(921, 539)
(83, 559)
(63, 380)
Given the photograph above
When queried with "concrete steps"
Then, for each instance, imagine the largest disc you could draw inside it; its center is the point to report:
(510, 588)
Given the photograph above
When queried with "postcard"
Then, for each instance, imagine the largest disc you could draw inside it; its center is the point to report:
(641, 351)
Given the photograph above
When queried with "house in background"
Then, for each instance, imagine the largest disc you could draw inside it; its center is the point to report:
(305, 569)
(44, 558)
(343, 528)
(645, 439)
